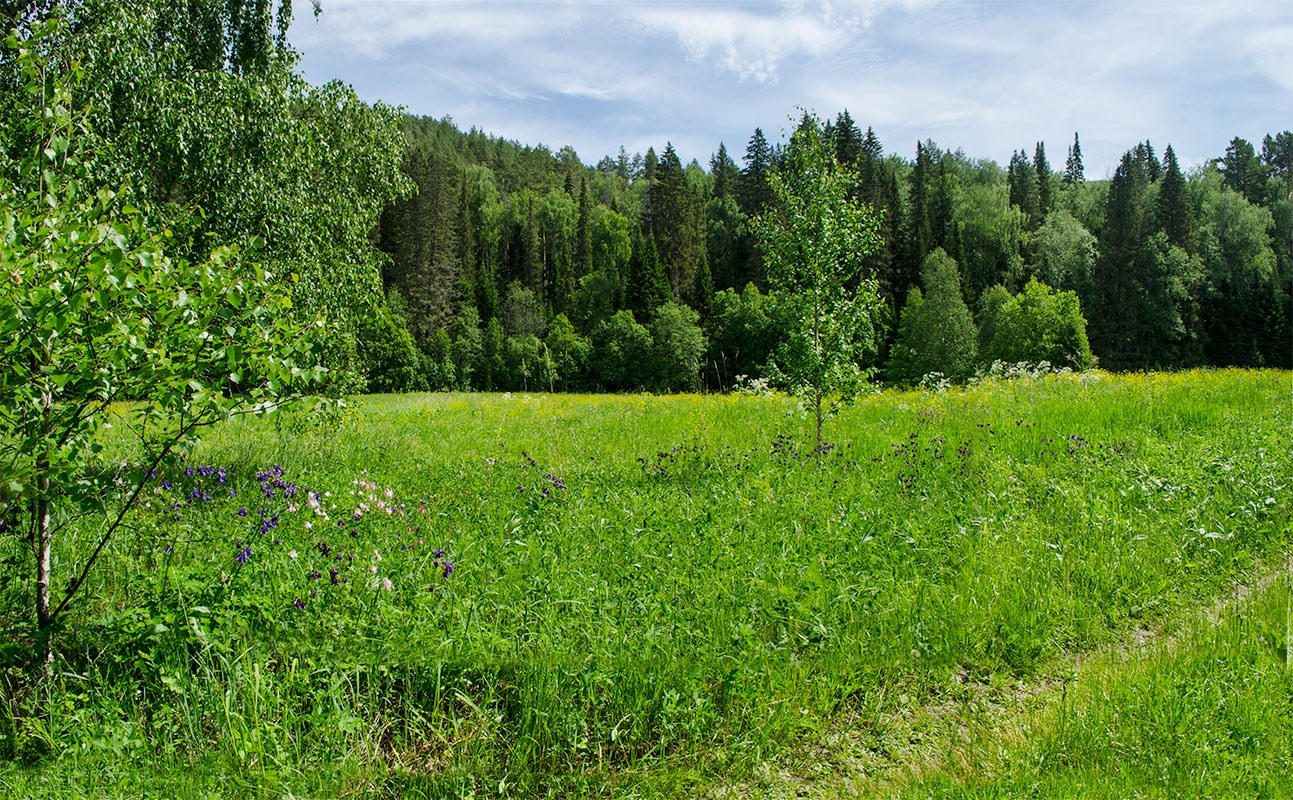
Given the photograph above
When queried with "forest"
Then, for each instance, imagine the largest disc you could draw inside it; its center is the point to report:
(513, 266)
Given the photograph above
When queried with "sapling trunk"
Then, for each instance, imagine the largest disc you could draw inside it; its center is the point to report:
(44, 536)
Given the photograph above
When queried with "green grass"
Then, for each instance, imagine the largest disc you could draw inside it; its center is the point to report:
(1206, 714)
(696, 593)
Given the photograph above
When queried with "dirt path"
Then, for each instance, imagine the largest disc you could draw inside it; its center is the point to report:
(852, 761)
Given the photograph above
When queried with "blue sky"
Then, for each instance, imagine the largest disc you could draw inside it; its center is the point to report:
(985, 77)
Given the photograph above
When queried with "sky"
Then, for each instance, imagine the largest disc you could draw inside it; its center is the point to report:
(987, 78)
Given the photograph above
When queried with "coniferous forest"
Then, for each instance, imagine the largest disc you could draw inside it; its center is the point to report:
(512, 266)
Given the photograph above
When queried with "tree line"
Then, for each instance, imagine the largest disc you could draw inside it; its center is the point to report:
(516, 267)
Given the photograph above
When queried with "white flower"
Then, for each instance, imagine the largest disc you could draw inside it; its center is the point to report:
(291, 554)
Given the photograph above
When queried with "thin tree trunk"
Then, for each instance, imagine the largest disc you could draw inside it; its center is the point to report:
(44, 544)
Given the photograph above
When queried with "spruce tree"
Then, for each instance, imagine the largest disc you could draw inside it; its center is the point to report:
(1073, 172)
(724, 171)
(702, 292)
(1242, 170)
(1022, 180)
(648, 289)
(754, 192)
(1118, 316)
(848, 139)
(1045, 181)
(1175, 216)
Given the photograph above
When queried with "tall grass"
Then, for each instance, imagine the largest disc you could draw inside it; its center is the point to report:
(647, 592)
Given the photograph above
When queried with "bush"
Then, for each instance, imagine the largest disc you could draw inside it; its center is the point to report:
(1038, 324)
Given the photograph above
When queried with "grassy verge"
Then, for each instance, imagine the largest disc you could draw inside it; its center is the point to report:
(451, 596)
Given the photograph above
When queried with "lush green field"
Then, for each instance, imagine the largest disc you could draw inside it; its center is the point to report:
(484, 595)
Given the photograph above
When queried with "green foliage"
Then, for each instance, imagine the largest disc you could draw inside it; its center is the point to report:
(740, 333)
(227, 125)
(815, 240)
(678, 345)
(387, 353)
(97, 307)
(648, 287)
(936, 332)
(467, 348)
(620, 347)
(1039, 324)
(569, 352)
(1065, 255)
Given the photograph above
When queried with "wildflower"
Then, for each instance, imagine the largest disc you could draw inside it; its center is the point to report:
(332, 575)
(300, 604)
(387, 585)
(379, 555)
(242, 512)
(291, 554)
(448, 569)
(244, 555)
(308, 525)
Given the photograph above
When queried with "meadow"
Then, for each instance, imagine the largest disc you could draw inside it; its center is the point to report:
(471, 595)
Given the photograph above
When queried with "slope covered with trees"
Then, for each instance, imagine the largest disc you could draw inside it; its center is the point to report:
(501, 240)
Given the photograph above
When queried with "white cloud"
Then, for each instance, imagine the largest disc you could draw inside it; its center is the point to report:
(985, 76)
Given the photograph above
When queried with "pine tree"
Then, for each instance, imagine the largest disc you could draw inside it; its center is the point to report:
(920, 233)
(1073, 165)
(532, 277)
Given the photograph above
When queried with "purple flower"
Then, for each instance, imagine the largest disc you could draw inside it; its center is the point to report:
(448, 569)
(332, 575)
(300, 604)
(244, 555)
(242, 512)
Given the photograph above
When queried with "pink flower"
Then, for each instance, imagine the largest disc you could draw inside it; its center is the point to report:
(387, 585)
(292, 554)
(379, 555)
